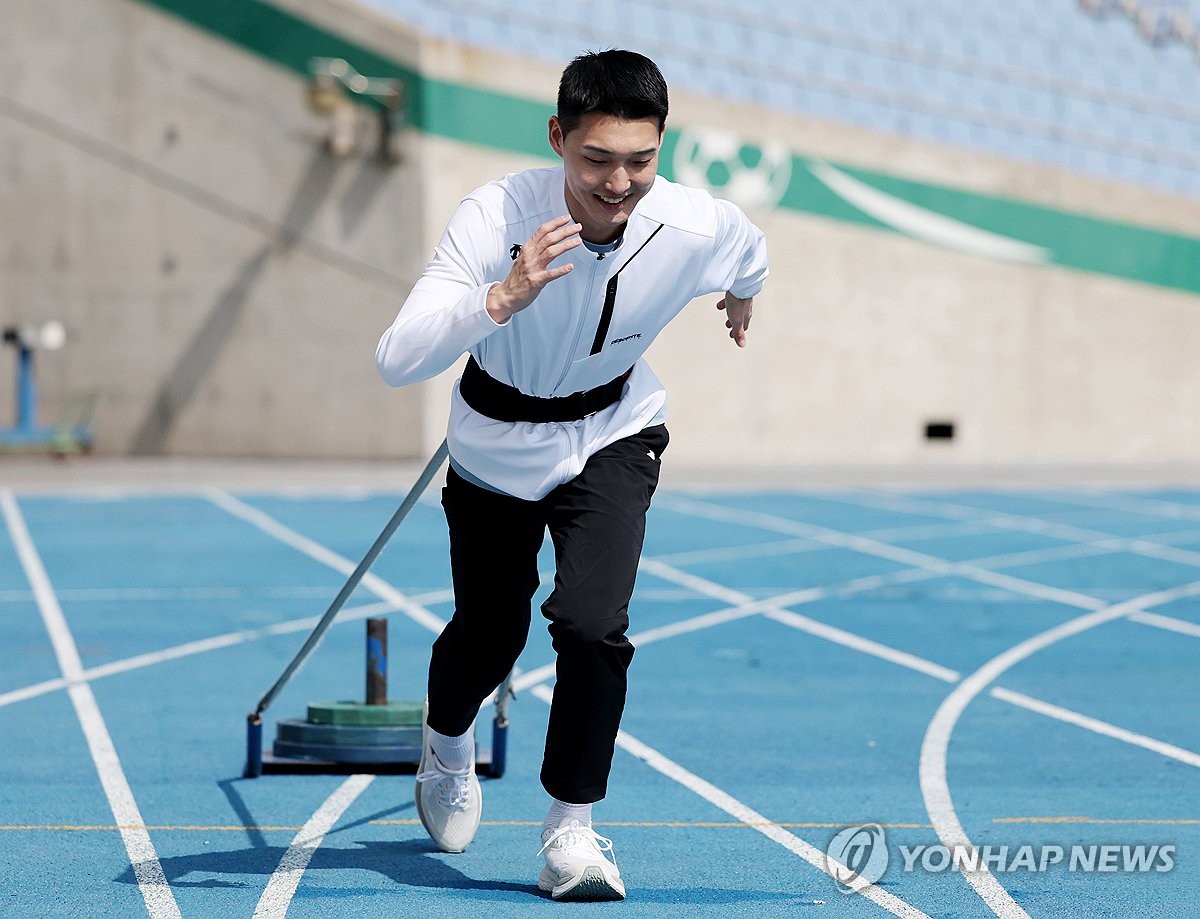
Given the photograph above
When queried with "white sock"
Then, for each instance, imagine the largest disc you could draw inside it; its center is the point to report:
(454, 753)
(561, 812)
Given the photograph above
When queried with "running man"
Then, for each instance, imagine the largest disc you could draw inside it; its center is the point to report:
(556, 281)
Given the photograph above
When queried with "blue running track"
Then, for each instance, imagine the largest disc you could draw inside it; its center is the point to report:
(1012, 672)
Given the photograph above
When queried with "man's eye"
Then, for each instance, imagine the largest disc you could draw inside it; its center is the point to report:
(594, 162)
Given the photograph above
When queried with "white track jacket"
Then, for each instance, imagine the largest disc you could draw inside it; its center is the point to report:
(680, 243)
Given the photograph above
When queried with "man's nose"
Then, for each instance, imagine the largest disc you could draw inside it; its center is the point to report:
(618, 181)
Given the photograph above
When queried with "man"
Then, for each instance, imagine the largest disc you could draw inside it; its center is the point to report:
(556, 281)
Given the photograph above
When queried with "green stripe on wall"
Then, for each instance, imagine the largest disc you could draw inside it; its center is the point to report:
(502, 122)
(1087, 243)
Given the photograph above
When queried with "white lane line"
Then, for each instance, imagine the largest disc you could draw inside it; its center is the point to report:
(773, 609)
(1096, 726)
(216, 642)
(1166, 553)
(739, 553)
(966, 513)
(776, 607)
(1041, 556)
(864, 645)
(922, 531)
(314, 550)
(34, 690)
(147, 869)
(772, 523)
(127, 594)
(694, 624)
(283, 883)
(1129, 503)
(1171, 624)
(935, 787)
(275, 899)
(694, 582)
(740, 610)
(748, 815)
(934, 782)
(706, 587)
(921, 665)
(1143, 545)
(885, 652)
(878, 549)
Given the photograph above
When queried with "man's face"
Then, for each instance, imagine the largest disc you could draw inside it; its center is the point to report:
(610, 164)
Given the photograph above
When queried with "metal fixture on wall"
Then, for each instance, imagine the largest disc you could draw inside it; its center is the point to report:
(332, 92)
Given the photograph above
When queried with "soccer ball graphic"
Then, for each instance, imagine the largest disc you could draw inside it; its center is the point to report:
(749, 176)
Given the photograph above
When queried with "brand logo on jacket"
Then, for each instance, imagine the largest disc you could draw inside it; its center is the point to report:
(617, 341)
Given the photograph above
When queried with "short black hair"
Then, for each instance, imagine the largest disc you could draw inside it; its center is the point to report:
(625, 84)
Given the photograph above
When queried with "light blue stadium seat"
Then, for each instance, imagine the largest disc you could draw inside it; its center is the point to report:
(1035, 80)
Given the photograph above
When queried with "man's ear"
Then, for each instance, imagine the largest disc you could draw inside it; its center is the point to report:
(556, 135)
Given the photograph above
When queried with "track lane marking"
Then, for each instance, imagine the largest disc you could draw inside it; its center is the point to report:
(649, 824)
(187, 649)
(326, 556)
(1096, 726)
(1137, 545)
(282, 886)
(1170, 623)
(877, 549)
(932, 769)
(752, 818)
(147, 869)
(935, 787)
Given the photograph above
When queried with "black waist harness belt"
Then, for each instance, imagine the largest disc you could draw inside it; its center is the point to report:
(497, 400)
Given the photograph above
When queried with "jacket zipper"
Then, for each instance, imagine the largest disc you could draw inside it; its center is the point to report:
(579, 325)
(610, 298)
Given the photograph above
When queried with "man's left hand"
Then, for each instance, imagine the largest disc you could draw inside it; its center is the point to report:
(737, 316)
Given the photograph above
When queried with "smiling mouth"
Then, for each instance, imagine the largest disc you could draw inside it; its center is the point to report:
(613, 201)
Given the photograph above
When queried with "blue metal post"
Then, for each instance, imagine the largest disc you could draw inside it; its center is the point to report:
(26, 391)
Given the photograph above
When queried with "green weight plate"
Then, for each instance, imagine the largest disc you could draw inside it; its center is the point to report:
(390, 713)
(353, 735)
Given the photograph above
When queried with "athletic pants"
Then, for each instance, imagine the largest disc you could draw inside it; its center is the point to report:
(597, 522)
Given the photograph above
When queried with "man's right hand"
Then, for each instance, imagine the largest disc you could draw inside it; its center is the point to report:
(530, 271)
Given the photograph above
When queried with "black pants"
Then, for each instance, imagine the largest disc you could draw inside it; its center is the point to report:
(597, 522)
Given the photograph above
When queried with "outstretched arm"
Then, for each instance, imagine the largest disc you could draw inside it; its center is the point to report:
(737, 316)
(738, 266)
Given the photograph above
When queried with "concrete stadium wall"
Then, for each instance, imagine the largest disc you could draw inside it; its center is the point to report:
(222, 277)
(225, 281)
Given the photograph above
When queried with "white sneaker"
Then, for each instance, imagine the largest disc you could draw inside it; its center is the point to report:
(449, 801)
(576, 868)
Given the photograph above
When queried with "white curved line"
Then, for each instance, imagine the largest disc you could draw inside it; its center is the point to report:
(935, 787)
(924, 224)
(274, 902)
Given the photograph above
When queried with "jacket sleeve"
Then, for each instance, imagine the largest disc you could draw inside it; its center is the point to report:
(445, 314)
(739, 260)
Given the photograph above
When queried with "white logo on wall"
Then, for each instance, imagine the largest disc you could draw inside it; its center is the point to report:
(749, 176)
(857, 852)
